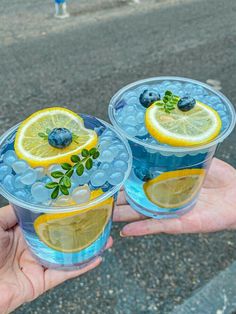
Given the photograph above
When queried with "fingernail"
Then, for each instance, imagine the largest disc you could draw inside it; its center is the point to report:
(122, 234)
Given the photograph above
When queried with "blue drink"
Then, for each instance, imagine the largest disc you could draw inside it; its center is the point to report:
(174, 174)
(61, 9)
(57, 231)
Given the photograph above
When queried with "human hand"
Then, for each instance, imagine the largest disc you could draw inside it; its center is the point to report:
(22, 278)
(215, 209)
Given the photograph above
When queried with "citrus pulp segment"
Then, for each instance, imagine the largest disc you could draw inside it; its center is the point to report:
(72, 232)
(174, 189)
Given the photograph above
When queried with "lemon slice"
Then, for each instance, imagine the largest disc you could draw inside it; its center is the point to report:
(197, 126)
(72, 232)
(37, 151)
(175, 188)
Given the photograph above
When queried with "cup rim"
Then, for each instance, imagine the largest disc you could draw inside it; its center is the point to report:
(57, 209)
(172, 149)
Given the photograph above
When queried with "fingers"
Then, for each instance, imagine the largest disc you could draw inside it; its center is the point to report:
(56, 277)
(121, 198)
(109, 243)
(8, 217)
(126, 213)
(189, 223)
(220, 174)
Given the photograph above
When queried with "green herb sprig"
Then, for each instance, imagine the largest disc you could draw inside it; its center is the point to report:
(79, 163)
(169, 101)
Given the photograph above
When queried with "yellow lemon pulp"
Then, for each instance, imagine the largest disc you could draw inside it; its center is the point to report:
(197, 126)
(72, 232)
(37, 151)
(175, 188)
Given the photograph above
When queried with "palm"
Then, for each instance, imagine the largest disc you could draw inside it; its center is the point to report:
(214, 211)
(22, 278)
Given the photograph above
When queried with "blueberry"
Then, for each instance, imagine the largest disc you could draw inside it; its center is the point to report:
(148, 97)
(186, 103)
(60, 138)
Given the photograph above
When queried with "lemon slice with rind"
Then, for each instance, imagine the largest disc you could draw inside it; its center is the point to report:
(37, 151)
(197, 126)
(72, 232)
(174, 189)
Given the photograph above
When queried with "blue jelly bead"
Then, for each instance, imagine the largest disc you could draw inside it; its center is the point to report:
(20, 166)
(214, 100)
(225, 122)
(40, 172)
(140, 117)
(17, 182)
(29, 177)
(189, 88)
(39, 192)
(21, 194)
(130, 120)
(8, 183)
(109, 133)
(142, 130)
(4, 170)
(98, 178)
(104, 144)
(9, 157)
(131, 108)
(105, 166)
(46, 180)
(220, 108)
(131, 130)
(106, 156)
(120, 165)
(81, 180)
(123, 156)
(116, 178)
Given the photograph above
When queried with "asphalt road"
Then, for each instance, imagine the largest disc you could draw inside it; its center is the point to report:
(80, 63)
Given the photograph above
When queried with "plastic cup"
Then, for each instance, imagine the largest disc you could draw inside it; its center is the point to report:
(179, 171)
(61, 9)
(48, 230)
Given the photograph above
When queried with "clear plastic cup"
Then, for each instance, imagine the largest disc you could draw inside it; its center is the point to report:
(48, 231)
(175, 174)
(61, 9)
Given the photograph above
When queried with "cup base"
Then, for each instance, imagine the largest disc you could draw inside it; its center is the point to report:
(157, 214)
(68, 267)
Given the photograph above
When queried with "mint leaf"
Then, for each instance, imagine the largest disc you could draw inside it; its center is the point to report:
(67, 182)
(55, 193)
(42, 135)
(89, 164)
(70, 172)
(80, 170)
(57, 174)
(64, 190)
(96, 155)
(92, 151)
(51, 185)
(66, 166)
(75, 158)
(85, 153)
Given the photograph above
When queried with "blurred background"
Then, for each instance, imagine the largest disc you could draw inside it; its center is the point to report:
(80, 62)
